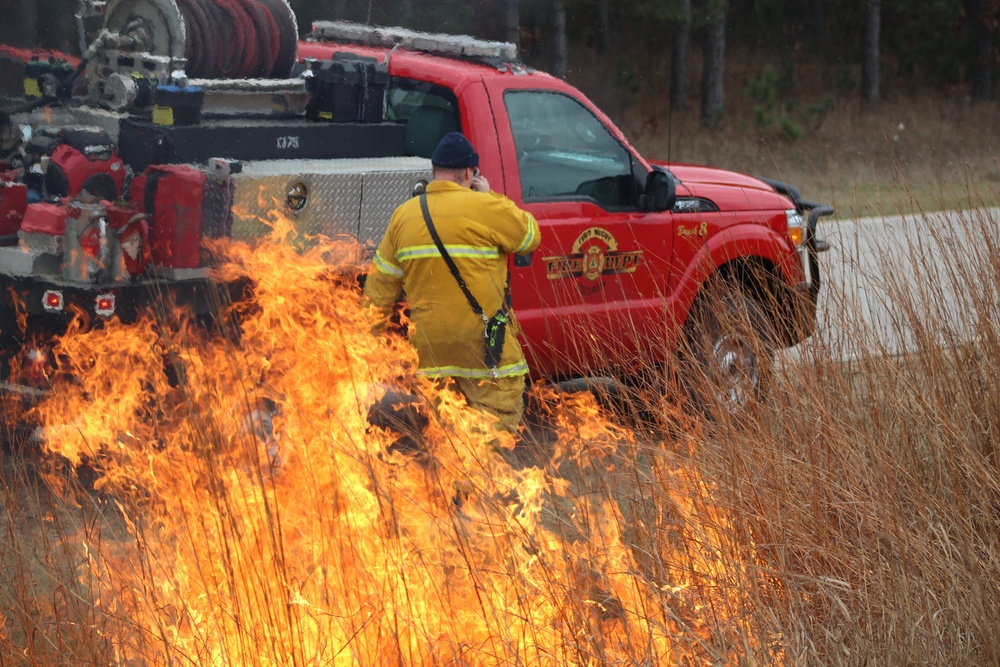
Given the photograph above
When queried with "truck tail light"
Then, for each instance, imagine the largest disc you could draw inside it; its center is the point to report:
(104, 305)
(53, 301)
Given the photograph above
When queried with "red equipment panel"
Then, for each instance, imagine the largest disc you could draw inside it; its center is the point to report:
(173, 196)
(13, 202)
(45, 218)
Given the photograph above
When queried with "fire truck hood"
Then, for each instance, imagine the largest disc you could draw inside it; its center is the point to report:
(728, 189)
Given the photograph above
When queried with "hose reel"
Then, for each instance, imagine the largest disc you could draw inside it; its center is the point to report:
(215, 39)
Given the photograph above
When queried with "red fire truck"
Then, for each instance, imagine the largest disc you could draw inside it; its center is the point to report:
(131, 154)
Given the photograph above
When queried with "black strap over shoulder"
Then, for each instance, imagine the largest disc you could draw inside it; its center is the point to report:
(495, 327)
(476, 308)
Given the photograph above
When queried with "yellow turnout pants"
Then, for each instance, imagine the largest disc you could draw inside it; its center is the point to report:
(503, 397)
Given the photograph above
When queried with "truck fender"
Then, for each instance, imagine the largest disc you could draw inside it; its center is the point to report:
(747, 245)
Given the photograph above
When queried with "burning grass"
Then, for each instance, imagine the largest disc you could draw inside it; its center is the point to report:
(242, 511)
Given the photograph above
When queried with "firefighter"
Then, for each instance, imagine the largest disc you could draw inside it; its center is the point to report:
(478, 228)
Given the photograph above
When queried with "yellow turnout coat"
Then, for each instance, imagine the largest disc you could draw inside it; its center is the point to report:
(479, 230)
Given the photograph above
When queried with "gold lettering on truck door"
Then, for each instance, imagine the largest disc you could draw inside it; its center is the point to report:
(594, 254)
(696, 230)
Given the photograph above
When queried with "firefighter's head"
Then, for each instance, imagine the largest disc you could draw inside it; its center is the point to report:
(455, 159)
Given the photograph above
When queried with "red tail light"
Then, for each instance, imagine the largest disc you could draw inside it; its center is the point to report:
(53, 301)
(104, 305)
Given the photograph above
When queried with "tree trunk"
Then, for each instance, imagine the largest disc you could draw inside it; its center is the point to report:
(819, 25)
(982, 73)
(679, 59)
(981, 18)
(511, 21)
(561, 64)
(604, 27)
(870, 66)
(714, 48)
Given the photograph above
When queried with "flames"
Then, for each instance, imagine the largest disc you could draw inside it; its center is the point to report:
(253, 516)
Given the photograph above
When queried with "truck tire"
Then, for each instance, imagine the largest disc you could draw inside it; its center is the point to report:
(728, 354)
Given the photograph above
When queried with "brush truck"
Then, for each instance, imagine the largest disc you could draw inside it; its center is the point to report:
(181, 120)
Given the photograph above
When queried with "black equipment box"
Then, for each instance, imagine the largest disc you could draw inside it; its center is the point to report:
(184, 105)
(141, 143)
(348, 88)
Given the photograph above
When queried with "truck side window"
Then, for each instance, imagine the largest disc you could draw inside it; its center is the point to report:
(428, 111)
(564, 151)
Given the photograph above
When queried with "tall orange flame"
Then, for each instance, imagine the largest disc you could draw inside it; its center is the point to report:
(261, 521)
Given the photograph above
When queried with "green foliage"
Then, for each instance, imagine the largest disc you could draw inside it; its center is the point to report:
(774, 109)
(765, 91)
(627, 77)
(790, 129)
(816, 113)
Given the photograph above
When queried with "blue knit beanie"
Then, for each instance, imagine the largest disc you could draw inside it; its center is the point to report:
(454, 152)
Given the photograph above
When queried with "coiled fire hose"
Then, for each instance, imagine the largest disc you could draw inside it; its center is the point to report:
(239, 39)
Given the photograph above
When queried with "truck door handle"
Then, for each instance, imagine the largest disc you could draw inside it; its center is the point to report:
(523, 260)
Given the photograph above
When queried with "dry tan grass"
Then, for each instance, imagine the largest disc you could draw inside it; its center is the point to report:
(856, 513)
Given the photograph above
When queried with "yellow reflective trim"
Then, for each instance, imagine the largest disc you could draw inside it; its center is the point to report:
(386, 267)
(510, 370)
(425, 251)
(529, 238)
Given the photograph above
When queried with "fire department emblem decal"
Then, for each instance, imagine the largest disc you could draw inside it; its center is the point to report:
(595, 254)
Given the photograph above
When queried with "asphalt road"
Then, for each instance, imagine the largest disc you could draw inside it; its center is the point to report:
(893, 284)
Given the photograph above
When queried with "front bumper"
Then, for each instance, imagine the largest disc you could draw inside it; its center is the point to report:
(799, 320)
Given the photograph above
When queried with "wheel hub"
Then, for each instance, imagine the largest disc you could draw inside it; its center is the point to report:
(737, 371)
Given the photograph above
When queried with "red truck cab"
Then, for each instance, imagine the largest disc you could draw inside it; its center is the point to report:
(628, 245)
(638, 259)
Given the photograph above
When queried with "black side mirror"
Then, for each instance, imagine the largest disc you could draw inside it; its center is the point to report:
(661, 191)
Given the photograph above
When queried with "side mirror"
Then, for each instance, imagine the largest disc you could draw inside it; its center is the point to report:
(660, 193)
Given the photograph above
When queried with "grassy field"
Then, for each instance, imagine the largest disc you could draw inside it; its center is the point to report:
(913, 153)
(852, 519)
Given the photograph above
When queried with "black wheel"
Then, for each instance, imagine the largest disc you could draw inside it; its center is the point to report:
(728, 354)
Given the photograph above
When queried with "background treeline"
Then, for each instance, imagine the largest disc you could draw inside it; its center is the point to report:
(871, 45)
(868, 46)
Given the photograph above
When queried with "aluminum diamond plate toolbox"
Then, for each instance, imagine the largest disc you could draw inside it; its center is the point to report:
(328, 197)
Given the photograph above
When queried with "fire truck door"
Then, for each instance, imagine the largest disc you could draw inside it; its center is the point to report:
(593, 294)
